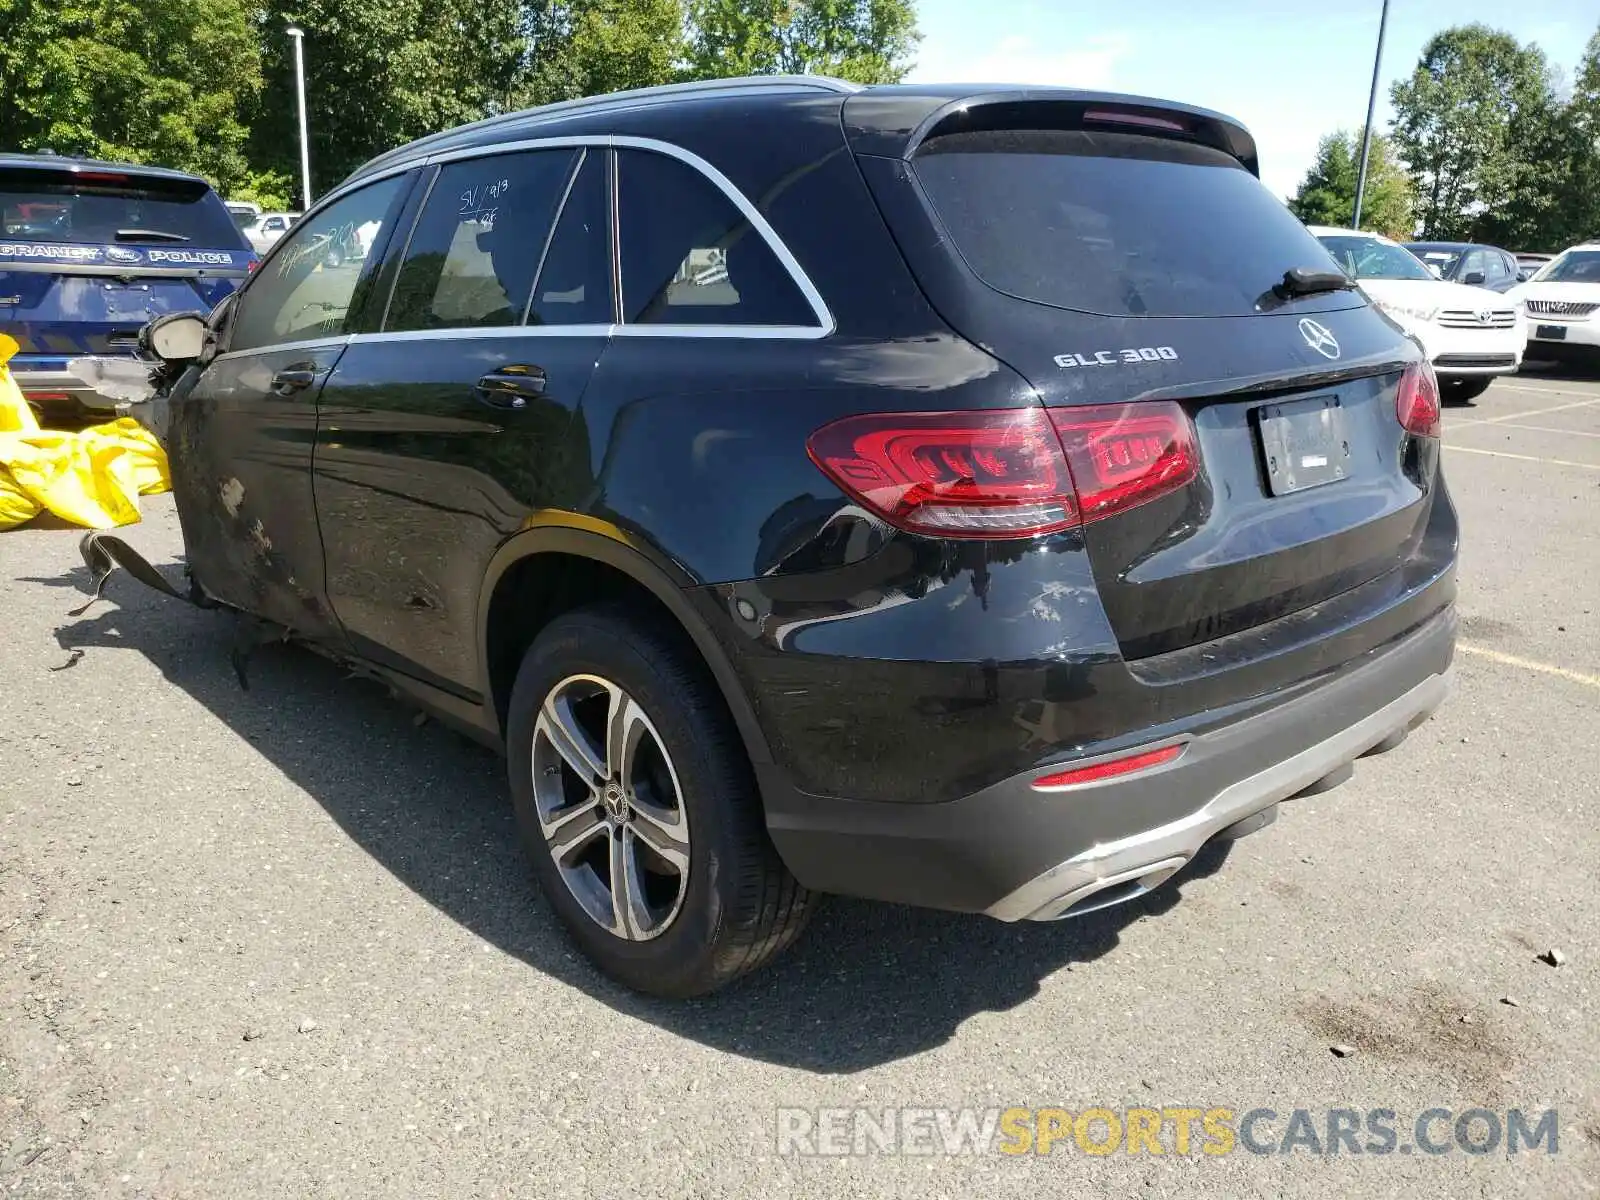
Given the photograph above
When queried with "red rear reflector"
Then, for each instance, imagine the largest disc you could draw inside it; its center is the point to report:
(1002, 473)
(1110, 769)
(1417, 401)
(1112, 117)
(42, 397)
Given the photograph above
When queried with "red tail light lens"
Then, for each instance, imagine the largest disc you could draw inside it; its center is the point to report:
(1122, 455)
(1417, 401)
(1110, 769)
(46, 397)
(997, 473)
(1002, 473)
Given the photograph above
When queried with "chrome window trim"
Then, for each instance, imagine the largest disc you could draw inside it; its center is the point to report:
(825, 326)
(475, 332)
(308, 344)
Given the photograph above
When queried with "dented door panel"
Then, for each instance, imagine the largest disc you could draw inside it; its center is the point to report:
(241, 438)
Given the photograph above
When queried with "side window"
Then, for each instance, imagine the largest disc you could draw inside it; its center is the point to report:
(574, 285)
(1474, 261)
(476, 246)
(305, 290)
(1499, 271)
(690, 257)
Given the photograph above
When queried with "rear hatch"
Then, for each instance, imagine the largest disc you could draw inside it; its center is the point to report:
(89, 254)
(1115, 256)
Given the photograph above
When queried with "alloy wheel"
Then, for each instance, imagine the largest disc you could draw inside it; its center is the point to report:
(610, 807)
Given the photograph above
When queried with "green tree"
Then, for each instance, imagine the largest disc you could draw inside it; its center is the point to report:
(1458, 120)
(585, 47)
(160, 81)
(1327, 195)
(380, 73)
(869, 41)
(1556, 199)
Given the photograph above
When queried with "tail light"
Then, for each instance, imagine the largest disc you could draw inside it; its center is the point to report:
(1007, 473)
(46, 397)
(1417, 401)
(1122, 455)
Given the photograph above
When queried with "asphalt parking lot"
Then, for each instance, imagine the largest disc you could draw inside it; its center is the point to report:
(281, 942)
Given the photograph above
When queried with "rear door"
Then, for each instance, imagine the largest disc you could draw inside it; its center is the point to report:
(88, 255)
(445, 427)
(1112, 264)
(241, 439)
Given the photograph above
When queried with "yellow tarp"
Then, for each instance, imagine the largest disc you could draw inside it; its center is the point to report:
(93, 477)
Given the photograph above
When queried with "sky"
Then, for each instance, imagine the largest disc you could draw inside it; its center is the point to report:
(1291, 70)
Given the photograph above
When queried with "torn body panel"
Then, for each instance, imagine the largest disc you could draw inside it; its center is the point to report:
(241, 450)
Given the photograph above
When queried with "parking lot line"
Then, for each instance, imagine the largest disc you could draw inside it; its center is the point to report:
(1554, 462)
(1543, 391)
(1588, 433)
(1532, 412)
(1529, 664)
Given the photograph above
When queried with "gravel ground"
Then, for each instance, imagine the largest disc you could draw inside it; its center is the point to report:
(281, 942)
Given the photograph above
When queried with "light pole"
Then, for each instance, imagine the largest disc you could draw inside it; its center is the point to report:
(299, 36)
(1372, 103)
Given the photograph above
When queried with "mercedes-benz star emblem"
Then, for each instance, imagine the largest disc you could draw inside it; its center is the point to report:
(1319, 338)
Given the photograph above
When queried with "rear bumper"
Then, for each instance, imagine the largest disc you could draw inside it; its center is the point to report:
(60, 391)
(1017, 853)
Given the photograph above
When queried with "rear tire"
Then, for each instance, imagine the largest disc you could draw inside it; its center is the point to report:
(1462, 391)
(621, 752)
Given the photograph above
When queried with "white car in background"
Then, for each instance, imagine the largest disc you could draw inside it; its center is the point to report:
(1562, 303)
(1469, 334)
(268, 228)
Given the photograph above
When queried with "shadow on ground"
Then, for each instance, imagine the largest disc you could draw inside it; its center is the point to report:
(1563, 372)
(867, 983)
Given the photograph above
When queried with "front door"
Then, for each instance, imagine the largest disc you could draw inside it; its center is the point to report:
(242, 437)
(440, 433)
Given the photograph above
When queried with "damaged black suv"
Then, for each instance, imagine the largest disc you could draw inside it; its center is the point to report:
(978, 499)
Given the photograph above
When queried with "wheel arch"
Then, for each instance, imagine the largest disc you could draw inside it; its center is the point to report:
(610, 548)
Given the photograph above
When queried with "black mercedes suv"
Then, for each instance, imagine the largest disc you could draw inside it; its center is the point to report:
(978, 499)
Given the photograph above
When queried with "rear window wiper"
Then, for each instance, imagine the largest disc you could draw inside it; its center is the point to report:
(1310, 281)
(149, 235)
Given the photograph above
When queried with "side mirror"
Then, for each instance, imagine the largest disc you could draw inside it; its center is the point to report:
(1474, 278)
(176, 337)
(1523, 277)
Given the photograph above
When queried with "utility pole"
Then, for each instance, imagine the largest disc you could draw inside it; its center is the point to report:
(1372, 104)
(299, 37)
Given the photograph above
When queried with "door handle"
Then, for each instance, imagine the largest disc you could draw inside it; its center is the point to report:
(293, 379)
(512, 387)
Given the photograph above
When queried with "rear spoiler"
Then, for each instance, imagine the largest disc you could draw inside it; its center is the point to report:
(878, 121)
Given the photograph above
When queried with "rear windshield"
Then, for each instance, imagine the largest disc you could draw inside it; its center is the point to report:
(1114, 223)
(1368, 258)
(1575, 266)
(107, 207)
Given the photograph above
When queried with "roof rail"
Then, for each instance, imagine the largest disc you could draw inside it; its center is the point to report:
(703, 87)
